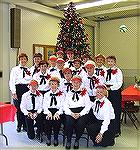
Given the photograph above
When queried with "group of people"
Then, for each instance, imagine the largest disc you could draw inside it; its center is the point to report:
(78, 93)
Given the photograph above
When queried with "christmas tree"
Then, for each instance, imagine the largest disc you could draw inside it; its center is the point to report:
(72, 33)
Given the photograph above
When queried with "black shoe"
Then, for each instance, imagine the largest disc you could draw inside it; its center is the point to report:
(68, 145)
(25, 129)
(76, 145)
(18, 129)
(55, 142)
(48, 142)
(38, 136)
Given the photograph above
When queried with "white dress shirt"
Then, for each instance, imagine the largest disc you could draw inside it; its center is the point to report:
(42, 87)
(16, 77)
(116, 78)
(47, 101)
(101, 73)
(26, 102)
(105, 113)
(33, 68)
(54, 72)
(67, 65)
(86, 84)
(84, 101)
(63, 87)
(80, 72)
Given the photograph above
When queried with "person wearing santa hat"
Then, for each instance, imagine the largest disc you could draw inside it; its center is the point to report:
(66, 85)
(100, 69)
(42, 77)
(36, 60)
(20, 76)
(31, 106)
(60, 54)
(53, 109)
(70, 57)
(52, 63)
(91, 80)
(76, 108)
(60, 65)
(101, 124)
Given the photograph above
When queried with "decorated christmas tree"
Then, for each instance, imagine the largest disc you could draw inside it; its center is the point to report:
(72, 33)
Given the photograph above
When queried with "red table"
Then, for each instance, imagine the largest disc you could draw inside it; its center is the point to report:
(7, 113)
(130, 94)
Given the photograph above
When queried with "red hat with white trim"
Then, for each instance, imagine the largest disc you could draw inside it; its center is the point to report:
(59, 52)
(33, 82)
(76, 78)
(53, 58)
(60, 60)
(89, 63)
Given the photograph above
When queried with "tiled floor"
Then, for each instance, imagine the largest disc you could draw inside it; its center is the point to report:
(129, 139)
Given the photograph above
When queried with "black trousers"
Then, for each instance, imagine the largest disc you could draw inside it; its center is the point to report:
(93, 129)
(20, 90)
(116, 98)
(77, 124)
(30, 126)
(52, 125)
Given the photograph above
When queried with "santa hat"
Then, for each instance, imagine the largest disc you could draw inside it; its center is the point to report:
(33, 82)
(53, 58)
(67, 70)
(89, 63)
(76, 78)
(59, 52)
(59, 60)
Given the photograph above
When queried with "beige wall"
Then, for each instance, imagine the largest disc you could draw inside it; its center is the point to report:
(125, 46)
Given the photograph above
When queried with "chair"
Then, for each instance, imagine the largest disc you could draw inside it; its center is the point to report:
(130, 110)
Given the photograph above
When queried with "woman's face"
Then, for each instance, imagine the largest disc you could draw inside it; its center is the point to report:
(37, 60)
(53, 85)
(99, 61)
(100, 93)
(43, 68)
(111, 62)
(76, 84)
(23, 61)
(77, 64)
(68, 75)
(90, 70)
(33, 88)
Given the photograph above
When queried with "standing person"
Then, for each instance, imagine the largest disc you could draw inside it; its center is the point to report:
(114, 81)
(60, 65)
(53, 109)
(31, 106)
(20, 76)
(60, 54)
(42, 77)
(66, 85)
(36, 60)
(52, 63)
(76, 108)
(70, 57)
(91, 80)
(101, 125)
(100, 69)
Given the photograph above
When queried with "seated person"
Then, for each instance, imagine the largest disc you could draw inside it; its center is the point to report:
(101, 126)
(53, 108)
(76, 107)
(31, 106)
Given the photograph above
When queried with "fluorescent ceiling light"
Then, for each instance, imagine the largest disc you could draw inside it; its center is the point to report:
(99, 3)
